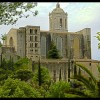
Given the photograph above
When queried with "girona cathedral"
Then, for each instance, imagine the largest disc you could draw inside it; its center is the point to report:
(34, 43)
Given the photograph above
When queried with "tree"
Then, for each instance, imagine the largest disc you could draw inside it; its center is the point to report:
(3, 74)
(53, 52)
(23, 74)
(98, 37)
(58, 90)
(39, 73)
(13, 88)
(92, 85)
(11, 11)
(23, 63)
(45, 76)
(3, 37)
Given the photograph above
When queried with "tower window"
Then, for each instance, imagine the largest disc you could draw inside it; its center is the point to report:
(35, 31)
(60, 22)
(35, 38)
(31, 44)
(36, 44)
(65, 23)
(31, 31)
(36, 51)
(31, 38)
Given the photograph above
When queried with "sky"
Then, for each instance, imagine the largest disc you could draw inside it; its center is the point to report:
(80, 16)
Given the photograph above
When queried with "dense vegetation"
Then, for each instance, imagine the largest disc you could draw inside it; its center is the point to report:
(19, 80)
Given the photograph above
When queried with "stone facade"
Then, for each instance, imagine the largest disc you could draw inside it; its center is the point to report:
(31, 42)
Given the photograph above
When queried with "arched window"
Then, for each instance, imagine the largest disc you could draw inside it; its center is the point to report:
(11, 41)
(31, 31)
(59, 45)
(60, 22)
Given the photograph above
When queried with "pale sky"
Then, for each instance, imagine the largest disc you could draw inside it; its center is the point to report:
(80, 16)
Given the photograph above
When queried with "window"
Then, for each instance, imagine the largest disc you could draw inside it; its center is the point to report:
(36, 51)
(31, 50)
(65, 23)
(60, 22)
(11, 41)
(31, 38)
(35, 38)
(31, 31)
(36, 44)
(31, 44)
(89, 64)
(35, 31)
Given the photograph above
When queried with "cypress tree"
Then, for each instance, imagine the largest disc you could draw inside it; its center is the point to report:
(53, 52)
(39, 72)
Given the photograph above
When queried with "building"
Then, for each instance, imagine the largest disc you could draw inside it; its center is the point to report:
(32, 42)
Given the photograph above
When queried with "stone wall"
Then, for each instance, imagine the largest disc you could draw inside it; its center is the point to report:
(54, 67)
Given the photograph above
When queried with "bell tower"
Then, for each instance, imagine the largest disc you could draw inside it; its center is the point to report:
(58, 20)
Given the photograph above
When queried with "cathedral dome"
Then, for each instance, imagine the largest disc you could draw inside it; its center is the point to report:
(58, 9)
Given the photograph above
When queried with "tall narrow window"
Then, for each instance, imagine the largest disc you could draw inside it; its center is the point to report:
(36, 51)
(65, 23)
(11, 41)
(36, 44)
(32, 44)
(60, 22)
(30, 38)
(35, 38)
(35, 31)
(31, 31)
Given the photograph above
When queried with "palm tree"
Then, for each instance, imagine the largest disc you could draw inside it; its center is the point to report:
(92, 85)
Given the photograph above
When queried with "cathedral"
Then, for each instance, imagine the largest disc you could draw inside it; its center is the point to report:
(33, 43)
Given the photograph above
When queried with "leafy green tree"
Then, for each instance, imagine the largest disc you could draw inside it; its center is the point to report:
(7, 65)
(17, 89)
(59, 89)
(3, 37)
(23, 63)
(3, 74)
(45, 76)
(53, 52)
(11, 11)
(98, 37)
(23, 74)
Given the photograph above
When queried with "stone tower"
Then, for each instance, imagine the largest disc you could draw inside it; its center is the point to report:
(33, 42)
(58, 20)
